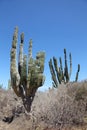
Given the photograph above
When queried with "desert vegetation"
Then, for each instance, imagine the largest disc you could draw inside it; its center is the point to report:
(62, 108)
(23, 107)
(58, 73)
(65, 105)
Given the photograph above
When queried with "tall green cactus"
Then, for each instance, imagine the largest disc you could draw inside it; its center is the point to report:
(59, 74)
(28, 76)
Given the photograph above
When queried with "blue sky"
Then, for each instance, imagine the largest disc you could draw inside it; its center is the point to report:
(52, 24)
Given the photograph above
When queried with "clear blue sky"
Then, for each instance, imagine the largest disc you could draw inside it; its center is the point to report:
(52, 24)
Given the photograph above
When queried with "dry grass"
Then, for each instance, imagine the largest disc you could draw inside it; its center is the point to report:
(64, 108)
(66, 105)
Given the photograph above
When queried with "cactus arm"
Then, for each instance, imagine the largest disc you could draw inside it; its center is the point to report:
(24, 73)
(61, 70)
(15, 77)
(70, 57)
(77, 73)
(20, 64)
(53, 74)
(30, 63)
(57, 69)
(30, 49)
(66, 67)
(39, 63)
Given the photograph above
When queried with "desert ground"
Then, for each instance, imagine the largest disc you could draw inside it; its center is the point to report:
(64, 108)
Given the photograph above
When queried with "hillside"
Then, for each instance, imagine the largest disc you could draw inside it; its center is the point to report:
(64, 108)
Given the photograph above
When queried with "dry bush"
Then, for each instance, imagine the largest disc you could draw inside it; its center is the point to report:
(56, 108)
(60, 106)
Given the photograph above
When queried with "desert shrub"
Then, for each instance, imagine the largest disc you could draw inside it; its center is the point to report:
(77, 90)
(60, 106)
(81, 93)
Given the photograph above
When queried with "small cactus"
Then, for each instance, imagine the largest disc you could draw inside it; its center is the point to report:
(28, 76)
(59, 74)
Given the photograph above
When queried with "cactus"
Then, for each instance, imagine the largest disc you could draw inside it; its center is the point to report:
(59, 74)
(28, 76)
(77, 73)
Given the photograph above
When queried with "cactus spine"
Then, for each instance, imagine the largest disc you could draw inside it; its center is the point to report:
(26, 79)
(59, 74)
